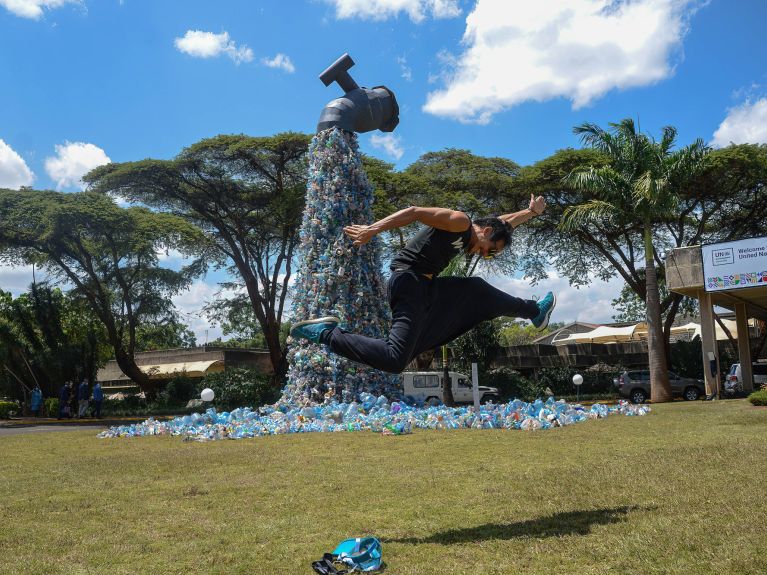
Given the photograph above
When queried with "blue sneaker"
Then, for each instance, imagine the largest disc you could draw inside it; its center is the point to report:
(545, 307)
(312, 329)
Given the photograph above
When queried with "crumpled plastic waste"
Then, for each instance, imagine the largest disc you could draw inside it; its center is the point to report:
(371, 413)
(336, 278)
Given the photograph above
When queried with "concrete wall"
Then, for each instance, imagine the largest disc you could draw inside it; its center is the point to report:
(684, 269)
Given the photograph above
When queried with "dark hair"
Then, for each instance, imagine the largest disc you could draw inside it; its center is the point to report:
(500, 229)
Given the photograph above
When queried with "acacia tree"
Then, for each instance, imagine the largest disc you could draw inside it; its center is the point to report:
(106, 253)
(247, 196)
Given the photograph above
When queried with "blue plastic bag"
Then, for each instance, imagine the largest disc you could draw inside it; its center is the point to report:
(360, 553)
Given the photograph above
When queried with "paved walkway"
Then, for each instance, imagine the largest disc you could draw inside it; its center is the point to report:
(44, 424)
(5, 430)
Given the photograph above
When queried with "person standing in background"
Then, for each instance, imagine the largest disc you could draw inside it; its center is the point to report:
(82, 398)
(64, 401)
(98, 397)
(36, 401)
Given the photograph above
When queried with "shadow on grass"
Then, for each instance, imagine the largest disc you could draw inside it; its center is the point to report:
(557, 525)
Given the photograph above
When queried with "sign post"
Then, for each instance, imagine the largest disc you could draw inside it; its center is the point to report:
(475, 386)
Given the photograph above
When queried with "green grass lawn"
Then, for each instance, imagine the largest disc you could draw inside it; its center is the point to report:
(678, 491)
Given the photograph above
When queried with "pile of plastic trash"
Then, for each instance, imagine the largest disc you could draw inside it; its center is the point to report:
(372, 413)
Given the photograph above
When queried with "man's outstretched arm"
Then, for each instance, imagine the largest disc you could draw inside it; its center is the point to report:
(440, 218)
(536, 208)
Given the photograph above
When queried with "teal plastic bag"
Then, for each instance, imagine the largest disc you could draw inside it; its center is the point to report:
(360, 553)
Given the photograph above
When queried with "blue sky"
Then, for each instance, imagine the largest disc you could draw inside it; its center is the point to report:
(89, 81)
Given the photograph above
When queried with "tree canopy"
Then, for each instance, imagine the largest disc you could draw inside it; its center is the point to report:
(246, 194)
(107, 254)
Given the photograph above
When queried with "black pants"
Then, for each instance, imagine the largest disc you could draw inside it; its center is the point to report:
(427, 313)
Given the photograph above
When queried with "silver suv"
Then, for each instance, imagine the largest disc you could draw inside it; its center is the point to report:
(635, 385)
(733, 381)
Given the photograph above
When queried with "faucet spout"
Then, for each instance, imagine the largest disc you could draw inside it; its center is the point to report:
(359, 109)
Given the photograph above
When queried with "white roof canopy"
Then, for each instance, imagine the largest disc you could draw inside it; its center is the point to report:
(637, 332)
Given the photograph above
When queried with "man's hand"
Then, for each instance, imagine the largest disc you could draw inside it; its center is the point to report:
(359, 234)
(537, 205)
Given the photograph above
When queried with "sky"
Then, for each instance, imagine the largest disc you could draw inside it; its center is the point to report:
(86, 82)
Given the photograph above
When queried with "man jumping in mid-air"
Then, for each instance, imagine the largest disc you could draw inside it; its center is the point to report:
(429, 311)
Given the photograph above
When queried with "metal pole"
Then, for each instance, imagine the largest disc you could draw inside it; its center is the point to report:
(475, 386)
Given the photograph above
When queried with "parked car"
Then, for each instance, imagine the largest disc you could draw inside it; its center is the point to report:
(733, 381)
(427, 386)
(635, 385)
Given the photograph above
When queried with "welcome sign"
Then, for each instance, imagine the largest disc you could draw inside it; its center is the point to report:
(735, 265)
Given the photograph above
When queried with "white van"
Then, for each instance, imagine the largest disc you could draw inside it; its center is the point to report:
(427, 386)
(733, 381)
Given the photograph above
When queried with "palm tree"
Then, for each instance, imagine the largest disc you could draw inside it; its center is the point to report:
(635, 191)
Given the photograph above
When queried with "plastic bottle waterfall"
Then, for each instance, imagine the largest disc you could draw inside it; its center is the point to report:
(336, 278)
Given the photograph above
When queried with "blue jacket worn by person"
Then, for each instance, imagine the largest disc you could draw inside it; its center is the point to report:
(82, 391)
(98, 393)
(37, 399)
(64, 394)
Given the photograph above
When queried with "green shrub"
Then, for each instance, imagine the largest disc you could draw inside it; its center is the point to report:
(130, 405)
(240, 387)
(758, 397)
(513, 385)
(8, 407)
(560, 381)
(178, 391)
(52, 406)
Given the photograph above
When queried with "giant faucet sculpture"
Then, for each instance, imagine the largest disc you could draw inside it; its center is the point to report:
(334, 277)
(359, 109)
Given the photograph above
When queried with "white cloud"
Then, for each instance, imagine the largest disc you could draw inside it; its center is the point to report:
(405, 71)
(33, 8)
(520, 51)
(209, 45)
(389, 143)
(281, 62)
(168, 255)
(16, 279)
(190, 303)
(14, 171)
(744, 124)
(416, 10)
(72, 161)
(592, 303)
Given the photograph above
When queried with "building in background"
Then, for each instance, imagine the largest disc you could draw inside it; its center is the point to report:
(196, 362)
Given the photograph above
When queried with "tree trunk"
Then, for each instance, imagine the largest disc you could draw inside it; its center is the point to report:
(447, 384)
(728, 333)
(278, 355)
(660, 388)
(669, 321)
(128, 366)
(424, 360)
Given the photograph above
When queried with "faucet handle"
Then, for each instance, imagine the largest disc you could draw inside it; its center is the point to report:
(338, 72)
